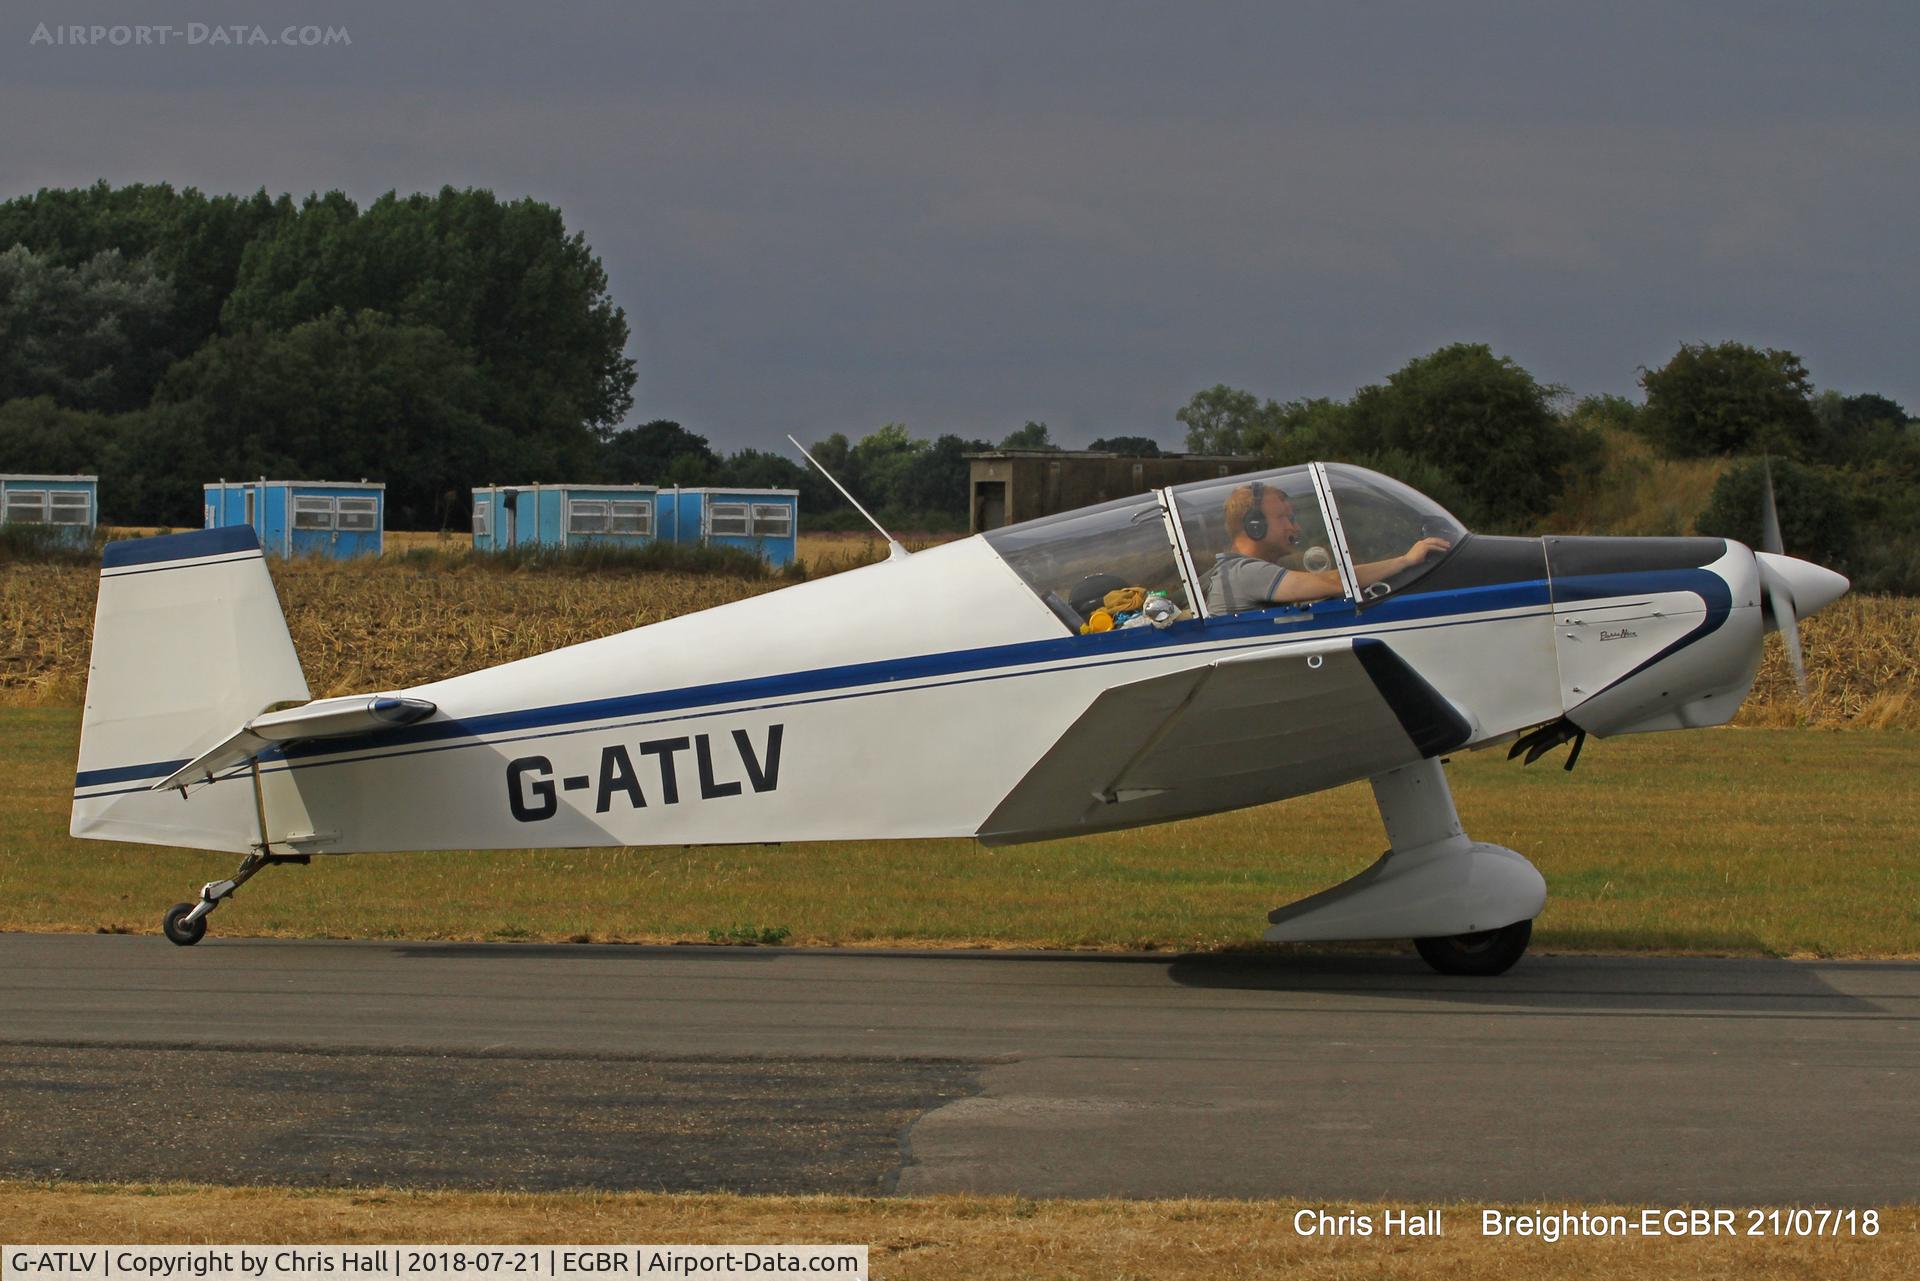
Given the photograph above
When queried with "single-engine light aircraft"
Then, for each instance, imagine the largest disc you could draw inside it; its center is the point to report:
(1101, 669)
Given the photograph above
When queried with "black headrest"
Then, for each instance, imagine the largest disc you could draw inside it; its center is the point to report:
(1091, 590)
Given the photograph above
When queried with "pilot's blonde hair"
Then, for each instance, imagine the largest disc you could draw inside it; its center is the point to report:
(1240, 502)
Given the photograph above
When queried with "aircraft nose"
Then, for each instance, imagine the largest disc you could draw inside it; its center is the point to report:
(1813, 587)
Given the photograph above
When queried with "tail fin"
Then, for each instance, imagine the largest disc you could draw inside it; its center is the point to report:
(188, 642)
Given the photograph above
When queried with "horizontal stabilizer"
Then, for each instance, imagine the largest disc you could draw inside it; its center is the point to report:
(324, 718)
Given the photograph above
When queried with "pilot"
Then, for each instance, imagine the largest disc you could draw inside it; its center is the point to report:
(1249, 575)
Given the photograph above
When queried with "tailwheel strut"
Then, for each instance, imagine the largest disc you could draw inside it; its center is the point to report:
(186, 923)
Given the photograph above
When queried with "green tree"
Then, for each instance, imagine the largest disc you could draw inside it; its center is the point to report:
(85, 335)
(885, 460)
(194, 241)
(1730, 398)
(1814, 504)
(1859, 430)
(658, 452)
(345, 396)
(1867, 409)
(40, 436)
(936, 483)
(1226, 420)
(1482, 421)
(503, 280)
(758, 469)
(1304, 431)
(1032, 436)
(1132, 446)
(819, 495)
(1600, 412)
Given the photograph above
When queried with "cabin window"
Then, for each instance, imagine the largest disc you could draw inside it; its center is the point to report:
(482, 518)
(26, 507)
(1216, 519)
(772, 520)
(360, 515)
(729, 520)
(312, 512)
(586, 516)
(1076, 561)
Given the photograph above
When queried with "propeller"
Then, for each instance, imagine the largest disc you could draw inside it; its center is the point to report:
(1794, 588)
(1779, 594)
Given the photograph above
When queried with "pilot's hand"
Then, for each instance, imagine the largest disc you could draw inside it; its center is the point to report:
(1426, 547)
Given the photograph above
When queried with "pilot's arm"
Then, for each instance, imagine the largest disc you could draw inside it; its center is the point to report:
(1298, 586)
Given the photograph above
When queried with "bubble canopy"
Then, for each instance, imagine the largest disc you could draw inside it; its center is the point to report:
(1340, 526)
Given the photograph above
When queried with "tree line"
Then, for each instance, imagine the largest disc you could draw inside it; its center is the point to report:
(164, 338)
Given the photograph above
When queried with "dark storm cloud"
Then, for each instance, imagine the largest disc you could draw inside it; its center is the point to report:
(824, 216)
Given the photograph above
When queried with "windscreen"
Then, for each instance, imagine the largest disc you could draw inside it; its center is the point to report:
(1384, 519)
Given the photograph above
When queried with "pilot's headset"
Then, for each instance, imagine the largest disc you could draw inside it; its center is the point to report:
(1254, 523)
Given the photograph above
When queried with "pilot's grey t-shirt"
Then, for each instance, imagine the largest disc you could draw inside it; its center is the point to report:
(1239, 582)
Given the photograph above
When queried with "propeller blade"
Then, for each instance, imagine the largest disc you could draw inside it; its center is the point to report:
(1769, 514)
(1780, 601)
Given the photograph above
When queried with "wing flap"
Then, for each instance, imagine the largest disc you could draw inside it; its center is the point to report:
(1237, 731)
(323, 718)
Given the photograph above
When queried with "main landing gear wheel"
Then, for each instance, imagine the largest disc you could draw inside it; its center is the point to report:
(1481, 954)
(181, 930)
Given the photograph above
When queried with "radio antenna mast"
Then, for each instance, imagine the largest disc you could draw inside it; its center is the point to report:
(894, 550)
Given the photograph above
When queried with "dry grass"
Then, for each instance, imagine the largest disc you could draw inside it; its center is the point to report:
(1637, 491)
(365, 625)
(1863, 660)
(933, 1239)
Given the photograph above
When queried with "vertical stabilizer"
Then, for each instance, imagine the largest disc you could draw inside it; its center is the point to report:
(188, 644)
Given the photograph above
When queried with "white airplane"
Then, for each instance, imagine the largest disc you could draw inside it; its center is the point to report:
(1063, 676)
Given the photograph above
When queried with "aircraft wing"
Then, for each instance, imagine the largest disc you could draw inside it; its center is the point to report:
(1241, 730)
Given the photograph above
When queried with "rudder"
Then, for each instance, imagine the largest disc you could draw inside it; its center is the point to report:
(188, 642)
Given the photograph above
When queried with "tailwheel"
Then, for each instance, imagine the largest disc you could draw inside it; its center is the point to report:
(183, 927)
(1483, 953)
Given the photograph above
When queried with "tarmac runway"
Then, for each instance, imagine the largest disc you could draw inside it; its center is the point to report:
(1644, 1081)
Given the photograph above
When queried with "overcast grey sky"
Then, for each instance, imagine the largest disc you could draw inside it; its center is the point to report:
(825, 216)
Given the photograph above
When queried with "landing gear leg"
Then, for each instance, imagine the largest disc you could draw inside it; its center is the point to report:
(186, 923)
(1468, 905)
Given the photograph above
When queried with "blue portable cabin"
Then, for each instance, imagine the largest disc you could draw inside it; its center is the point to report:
(562, 516)
(336, 518)
(70, 504)
(765, 522)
